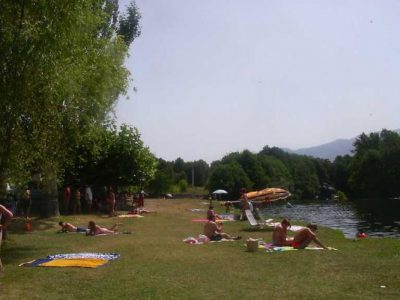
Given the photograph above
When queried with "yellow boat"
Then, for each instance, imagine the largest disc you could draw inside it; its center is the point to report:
(268, 195)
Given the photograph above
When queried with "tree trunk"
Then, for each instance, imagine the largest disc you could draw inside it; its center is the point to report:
(50, 207)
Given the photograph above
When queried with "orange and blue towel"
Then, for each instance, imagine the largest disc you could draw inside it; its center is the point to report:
(83, 260)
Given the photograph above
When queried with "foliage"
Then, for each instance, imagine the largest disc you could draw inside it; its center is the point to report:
(61, 71)
(277, 174)
(129, 27)
(272, 167)
(200, 171)
(341, 196)
(113, 157)
(374, 170)
(170, 174)
(182, 185)
(163, 179)
(306, 183)
(252, 166)
(230, 177)
(341, 173)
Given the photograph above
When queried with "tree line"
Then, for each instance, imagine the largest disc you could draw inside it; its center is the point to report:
(373, 170)
(61, 73)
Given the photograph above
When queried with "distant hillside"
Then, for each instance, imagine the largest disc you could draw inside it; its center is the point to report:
(330, 150)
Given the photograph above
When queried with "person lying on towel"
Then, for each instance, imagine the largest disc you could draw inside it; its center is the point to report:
(68, 227)
(214, 232)
(96, 229)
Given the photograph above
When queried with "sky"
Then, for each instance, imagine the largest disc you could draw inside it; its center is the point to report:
(219, 76)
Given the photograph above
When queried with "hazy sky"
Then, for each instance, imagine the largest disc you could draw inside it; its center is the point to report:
(217, 76)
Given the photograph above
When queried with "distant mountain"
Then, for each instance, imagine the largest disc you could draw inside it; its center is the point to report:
(330, 150)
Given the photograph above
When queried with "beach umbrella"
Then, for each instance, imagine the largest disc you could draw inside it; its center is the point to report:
(219, 192)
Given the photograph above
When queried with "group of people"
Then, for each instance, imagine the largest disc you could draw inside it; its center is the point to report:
(302, 238)
(92, 229)
(77, 200)
(213, 228)
(73, 200)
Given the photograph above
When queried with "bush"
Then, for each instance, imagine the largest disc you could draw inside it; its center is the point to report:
(182, 185)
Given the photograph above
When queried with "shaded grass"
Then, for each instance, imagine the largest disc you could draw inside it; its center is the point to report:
(156, 264)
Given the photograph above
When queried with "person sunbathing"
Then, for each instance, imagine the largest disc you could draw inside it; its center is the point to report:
(214, 232)
(279, 236)
(305, 236)
(211, 215)
(136, 211)
(96, 229)
(68, 227)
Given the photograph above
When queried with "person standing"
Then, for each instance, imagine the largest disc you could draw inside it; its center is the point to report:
(5, 219)
(245, 203)
(88, 198)
(111, 201)
(141, 201)
(77, 201)
(26, 201)
(67, 199)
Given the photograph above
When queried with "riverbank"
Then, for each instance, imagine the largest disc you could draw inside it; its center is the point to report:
(156, 264)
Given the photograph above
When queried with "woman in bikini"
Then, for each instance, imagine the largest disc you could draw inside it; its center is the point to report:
(96, 229)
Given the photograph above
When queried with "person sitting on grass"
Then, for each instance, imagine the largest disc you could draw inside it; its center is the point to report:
(7, 217)
(68, 227)
(96, 229)
(228, 206)
(279, 236)
(305, 236)
(211, 215)
(214, 232)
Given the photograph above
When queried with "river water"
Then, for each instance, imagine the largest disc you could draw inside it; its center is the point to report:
(374, 217)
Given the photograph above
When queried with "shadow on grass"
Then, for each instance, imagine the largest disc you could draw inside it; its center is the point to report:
(18, 225)
(20, 254)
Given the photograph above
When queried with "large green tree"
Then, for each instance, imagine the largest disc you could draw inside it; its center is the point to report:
(163, 180)
(230, 177)
(277, 174)
(374, 170)
(112, 156)
(127, 161)
(61, 71)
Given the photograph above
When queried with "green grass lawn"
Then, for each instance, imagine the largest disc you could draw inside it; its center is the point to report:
(156, 264)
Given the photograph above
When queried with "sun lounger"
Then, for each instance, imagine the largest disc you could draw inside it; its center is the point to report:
(269, 222)
(257, 224)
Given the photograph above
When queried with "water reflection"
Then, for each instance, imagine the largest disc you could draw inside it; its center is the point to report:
(374, 217)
